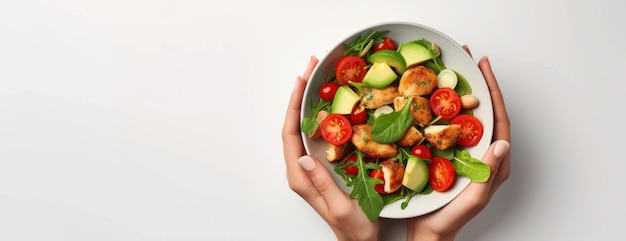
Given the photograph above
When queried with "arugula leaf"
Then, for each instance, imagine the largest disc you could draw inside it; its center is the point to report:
(389, 128)
(409, 194)
(371, 202)
(403, 154)
(473, 168)
(447, 153)
(392, 197)
(339, 170)
(359, 42)
(309, 124)
(435, 53)
(331, 75)
(402, 193)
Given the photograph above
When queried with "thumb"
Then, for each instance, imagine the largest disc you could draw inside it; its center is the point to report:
(494, 155)
(323, 182)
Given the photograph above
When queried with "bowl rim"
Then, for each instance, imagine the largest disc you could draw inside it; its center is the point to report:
(485, 102)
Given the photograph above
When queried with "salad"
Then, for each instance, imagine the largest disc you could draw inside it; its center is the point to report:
(396, 121)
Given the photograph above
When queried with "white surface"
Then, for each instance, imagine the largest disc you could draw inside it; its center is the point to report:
(454, 57)
(160, 120)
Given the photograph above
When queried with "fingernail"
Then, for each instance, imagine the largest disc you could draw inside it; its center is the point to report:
(307, 163)
(501, 148)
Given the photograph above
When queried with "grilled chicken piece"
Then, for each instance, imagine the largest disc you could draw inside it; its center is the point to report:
(362, 140)
(334, 152)
(442, 136)
(417, 80)
(393, 172)
(411, 137)
(374, 97)
(420, 109)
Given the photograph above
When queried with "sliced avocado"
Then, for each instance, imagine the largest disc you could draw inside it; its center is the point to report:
(414, 53)
(379, 75)
(391, 57)
(415, 174)
(344, 101)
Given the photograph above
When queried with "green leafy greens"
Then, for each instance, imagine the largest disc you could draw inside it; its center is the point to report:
(462, 87)
(389, 128)
(473, 168)
(370, 201)
(359, 43)
(309, 124)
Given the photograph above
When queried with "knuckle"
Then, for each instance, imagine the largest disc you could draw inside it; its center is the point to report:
(295, 184)
(341, 213)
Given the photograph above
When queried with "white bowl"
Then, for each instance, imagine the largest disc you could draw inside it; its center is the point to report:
(454, 57)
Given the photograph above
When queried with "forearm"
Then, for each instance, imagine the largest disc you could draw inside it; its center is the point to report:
(416, 234)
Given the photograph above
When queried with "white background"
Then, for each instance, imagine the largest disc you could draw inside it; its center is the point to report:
(161, 119)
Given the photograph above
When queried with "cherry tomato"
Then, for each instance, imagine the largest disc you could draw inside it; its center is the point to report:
(358, 115)
(441, 174)
(336, 129)
(422, 151)
(446, 103)
(350, 68)
(353, 158)
(471, 129)
(328, 90)
(377, 173)
(351, 170)
(387, 43)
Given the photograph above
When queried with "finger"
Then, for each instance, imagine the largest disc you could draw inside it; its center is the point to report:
(466, 48)
(494, 158)
(477, 194)
(293, 147)
(292, 142)
(494, 155)
(312, 63)
(325, 185)
(502, 124)
(501, 118)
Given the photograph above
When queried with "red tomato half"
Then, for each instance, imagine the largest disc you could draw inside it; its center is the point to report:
(350, 68)
(358, 115)
(387, 43)
(471, 129)
(377, 173)
(422, 151)
(441, 174)
(446, 103)
(336, 129)
(328, 90)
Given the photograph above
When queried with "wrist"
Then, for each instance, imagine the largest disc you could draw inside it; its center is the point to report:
(359, 236)
(414, 234)
(432, 237)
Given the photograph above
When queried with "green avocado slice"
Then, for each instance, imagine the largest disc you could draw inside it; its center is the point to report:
(391, 57)
(379, 75)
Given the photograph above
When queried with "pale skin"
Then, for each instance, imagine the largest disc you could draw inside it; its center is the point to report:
(308, 177)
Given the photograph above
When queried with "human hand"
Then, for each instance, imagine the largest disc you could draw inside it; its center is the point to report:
(445, 224)
(312, 181)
